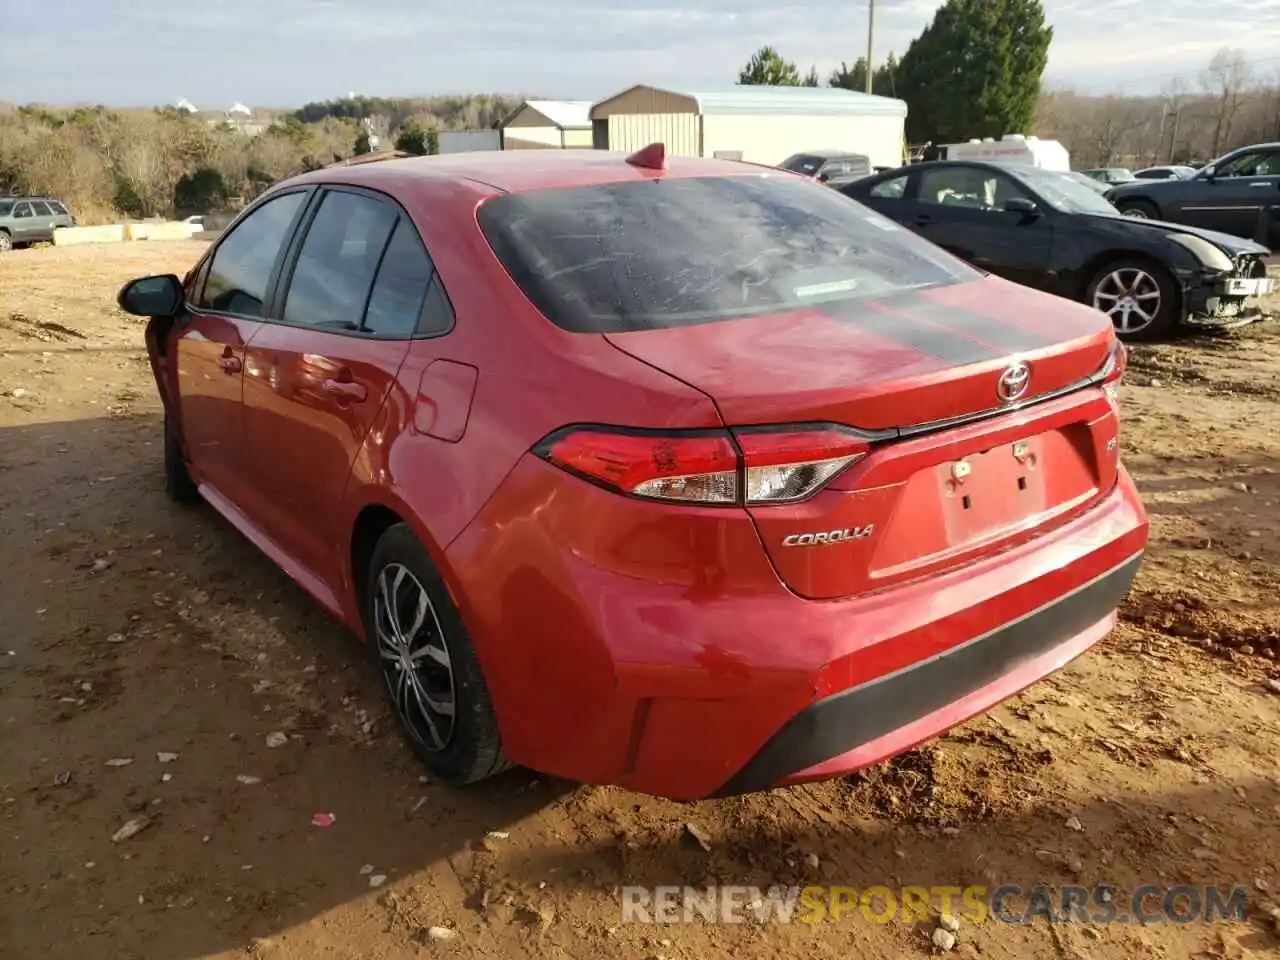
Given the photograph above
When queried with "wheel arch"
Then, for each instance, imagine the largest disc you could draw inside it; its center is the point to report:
(1147, 260)
(1144, 198)
(1093, 266)
(370, 520)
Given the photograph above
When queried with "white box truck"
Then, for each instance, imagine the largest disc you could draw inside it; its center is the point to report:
(1011, 148)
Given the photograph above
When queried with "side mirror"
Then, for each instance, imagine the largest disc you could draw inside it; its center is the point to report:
(1022, 205)
(824, 177)
(158, 296)
(1209, 174)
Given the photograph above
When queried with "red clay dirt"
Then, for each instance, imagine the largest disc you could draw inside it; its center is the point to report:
(135, 630)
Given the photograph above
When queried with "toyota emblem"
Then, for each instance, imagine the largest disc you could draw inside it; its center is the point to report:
(1013, 382)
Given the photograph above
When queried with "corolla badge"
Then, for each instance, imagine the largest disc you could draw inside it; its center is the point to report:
(828, 536)
(1013, 382)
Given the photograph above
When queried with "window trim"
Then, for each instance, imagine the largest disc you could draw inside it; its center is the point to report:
(273, 279)
(274, 313)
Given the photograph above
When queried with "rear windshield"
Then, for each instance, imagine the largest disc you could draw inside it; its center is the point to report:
(650, 254)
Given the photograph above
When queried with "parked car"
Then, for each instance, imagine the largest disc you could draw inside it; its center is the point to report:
(1043, 229)
(28, 220)
(1109, 174)
(1227, 194)
(829, 166)
(793, 479)
(1096, 186)
(1165, 173)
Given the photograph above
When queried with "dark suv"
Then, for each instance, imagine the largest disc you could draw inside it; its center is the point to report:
(829, 166)
(26, 220)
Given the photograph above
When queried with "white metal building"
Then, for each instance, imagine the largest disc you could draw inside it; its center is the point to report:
(548, 124)
(753, 123)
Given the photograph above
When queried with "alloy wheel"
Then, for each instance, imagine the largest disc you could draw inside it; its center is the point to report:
(415, 657)
(1136, 212)
(1130, 297)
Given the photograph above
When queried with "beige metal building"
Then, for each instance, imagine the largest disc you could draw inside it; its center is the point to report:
(548, 124)
(753, 123)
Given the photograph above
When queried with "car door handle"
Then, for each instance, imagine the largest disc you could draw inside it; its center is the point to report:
(344, 389)
(1261, 183)
(229, 364)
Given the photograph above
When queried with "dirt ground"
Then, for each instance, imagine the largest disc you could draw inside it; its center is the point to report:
(147, 653)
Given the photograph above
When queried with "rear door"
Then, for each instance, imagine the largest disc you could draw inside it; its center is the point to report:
(320, 371)
(43, 221)
(962, 209)
(226, 310)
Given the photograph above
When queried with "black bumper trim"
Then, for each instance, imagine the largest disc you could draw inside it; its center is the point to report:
(856, 716)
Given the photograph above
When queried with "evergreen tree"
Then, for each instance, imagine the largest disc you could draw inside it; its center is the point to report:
(767, 68)
(975, 70)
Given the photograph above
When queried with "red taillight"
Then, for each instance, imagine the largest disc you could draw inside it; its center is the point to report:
(753, 466)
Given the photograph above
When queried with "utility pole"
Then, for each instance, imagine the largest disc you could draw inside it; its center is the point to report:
(871, 29)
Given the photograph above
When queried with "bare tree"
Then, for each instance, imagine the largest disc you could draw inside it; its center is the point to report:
(1175, 101)
(1227, 80)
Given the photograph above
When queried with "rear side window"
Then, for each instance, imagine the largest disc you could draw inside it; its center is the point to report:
(400, 290)
(243, 263)
(58, 208)
(339, 258)
(41, 208)
(651, 254)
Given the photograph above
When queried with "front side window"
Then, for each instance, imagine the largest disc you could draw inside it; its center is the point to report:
(1254, 163)
(670, 252)
(971, 187)
(338, 260)
(240, 273)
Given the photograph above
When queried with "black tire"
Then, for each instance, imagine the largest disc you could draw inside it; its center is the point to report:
(6, 241)
(1143, 209)
(1168, 309)
(178, 484)
(470, 749)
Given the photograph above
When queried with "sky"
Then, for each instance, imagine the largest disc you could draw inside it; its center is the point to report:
(288, 52)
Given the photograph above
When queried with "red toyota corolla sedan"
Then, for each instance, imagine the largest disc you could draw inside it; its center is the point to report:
(691, 476)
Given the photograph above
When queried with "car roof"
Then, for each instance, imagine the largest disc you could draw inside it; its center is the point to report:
(517, 171)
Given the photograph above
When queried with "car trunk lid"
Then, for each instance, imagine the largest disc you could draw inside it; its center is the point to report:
(952, 470)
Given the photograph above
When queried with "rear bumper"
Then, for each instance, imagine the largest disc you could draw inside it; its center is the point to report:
(847, 730)
(621, 655)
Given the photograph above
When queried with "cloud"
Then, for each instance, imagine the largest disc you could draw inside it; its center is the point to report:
(284, 52)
